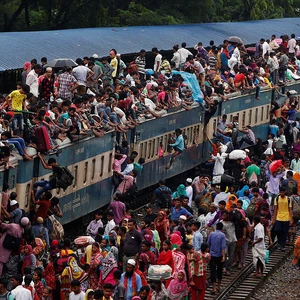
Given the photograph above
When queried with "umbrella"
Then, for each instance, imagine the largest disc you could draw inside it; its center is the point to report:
(275, 165)
(62, 62)
(235, 39)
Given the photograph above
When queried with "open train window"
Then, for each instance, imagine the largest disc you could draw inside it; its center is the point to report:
(153, 148)
(149, 149)
(230, 118)
(93, 169)
(27, 195)
(215, 125)
(268, 112)
(101, 165)
(141, 149)
(75, 176)
(12, 182)
(109, 162)
(250, 117)
(262, 114)
(256, 116)
(85, 172)
(244, 119)
(238, 117)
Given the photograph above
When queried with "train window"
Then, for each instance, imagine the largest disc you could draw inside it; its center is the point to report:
(268, 112)
(109, 162)
(256, 116)
(244, 119)
(215, 125)
(238, 117)
(250, 116)
(262, 113)
(27, 195)
(230, 118)
(101, 165)
(75, 176)
(12, 182)
(93, 169)
(141, 148)
(149, 148)
(153, 148)
(85, 172)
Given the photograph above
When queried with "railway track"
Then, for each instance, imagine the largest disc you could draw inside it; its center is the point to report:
(241, 284)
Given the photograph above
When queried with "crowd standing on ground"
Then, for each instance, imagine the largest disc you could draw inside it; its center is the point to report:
(184, 232)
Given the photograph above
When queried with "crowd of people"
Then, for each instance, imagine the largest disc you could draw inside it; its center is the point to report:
(200, 225)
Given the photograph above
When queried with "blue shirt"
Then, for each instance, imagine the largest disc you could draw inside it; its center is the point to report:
(179, 143)
(217, 243)
(177, 213)
(129, 285)
(197, 240)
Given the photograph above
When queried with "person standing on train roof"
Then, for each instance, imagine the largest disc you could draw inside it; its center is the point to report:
(178, 146)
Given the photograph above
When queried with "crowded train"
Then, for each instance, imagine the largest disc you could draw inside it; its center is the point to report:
(83, 137)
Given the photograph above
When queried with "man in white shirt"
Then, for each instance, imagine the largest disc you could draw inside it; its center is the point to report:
(157, 60)
(18, 291)
(176, 57)
(110, 223)
(292, 46)
(221, 196)
(265, 47)
(77, 293)
(82, 74)
(189, 190)
(258, 247)
(32, 80)
(273, 44)
(129, 166)
(184, 53)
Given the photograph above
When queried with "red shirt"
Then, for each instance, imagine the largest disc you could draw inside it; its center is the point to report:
(43, 209)
(239, 78)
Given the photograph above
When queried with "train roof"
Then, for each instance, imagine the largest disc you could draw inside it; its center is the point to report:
(18, 47)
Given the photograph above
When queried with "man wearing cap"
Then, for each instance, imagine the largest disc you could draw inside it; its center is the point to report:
(16, 213)
(150, 216)
(131, 280)
(189, 190)
(14, 230)
(40, 231)
(141, 64)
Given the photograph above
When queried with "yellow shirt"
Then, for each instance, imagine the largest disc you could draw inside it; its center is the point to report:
(114, 64)
(17, 100)
(283, 205)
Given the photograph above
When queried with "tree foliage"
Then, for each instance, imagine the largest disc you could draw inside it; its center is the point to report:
(19, 15)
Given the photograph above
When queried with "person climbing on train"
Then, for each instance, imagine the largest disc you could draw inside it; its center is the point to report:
(178, 146)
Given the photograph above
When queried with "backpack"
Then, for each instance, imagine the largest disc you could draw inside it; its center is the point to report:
(164, 197)
(296, 206)
(60, 263)
(57, 231)
(251, 209)
(64, 179)
(11, 243)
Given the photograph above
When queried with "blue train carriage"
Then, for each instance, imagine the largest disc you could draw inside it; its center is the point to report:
(9, 177)
(152, 136)
(249, 111)
(90, 161)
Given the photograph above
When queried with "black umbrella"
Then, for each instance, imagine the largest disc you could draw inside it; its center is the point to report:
(62, 62)
(235, 39)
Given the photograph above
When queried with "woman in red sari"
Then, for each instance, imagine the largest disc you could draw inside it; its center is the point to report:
(166, 258)
(96, 259)
(162, 226)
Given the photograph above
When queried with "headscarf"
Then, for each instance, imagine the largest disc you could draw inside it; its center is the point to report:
(72, 272)
(228, 203)
(108, 265)
(178, 289)
(29, 258)
(181, 192)
(240, 193)
(175, 238)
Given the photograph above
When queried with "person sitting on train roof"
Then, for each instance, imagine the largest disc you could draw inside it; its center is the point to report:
(18, 142)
